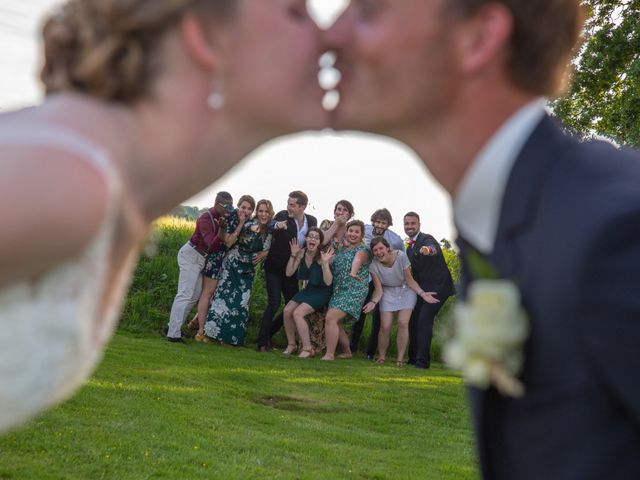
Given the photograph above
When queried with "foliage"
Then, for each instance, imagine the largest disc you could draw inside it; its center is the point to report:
(155, 280)
(605, 94)
(169, 411)
(186, 212)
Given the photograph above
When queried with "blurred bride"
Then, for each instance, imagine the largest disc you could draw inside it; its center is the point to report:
(148, 102)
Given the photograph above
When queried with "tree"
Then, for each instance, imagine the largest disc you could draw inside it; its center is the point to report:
(604, 97)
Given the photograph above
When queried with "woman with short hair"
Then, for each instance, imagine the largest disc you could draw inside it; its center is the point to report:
(396, 291)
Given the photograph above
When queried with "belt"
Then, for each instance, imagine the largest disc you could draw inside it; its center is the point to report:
(198, 249)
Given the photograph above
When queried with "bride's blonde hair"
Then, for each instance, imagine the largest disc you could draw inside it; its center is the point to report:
(109, 48)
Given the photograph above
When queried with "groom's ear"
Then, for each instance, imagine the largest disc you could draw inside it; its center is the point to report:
(482, 39)
(200, 42)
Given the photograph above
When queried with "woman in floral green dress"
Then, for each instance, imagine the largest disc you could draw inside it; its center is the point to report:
(350, 287)
(229, 312)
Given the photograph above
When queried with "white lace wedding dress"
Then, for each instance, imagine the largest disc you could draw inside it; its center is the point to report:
(53, 331)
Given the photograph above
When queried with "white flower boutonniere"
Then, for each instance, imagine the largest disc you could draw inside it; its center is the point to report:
(489, 331)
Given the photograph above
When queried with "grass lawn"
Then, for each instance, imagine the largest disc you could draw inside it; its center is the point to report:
(156, 410)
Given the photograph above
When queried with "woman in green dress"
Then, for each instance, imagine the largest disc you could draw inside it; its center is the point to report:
(350, 287)
(311, 265)
(229, 312)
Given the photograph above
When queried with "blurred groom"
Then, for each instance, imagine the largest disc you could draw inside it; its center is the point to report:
(463, 83)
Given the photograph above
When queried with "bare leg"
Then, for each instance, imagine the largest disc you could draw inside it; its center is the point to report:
(345, 343)
(204, 302)
(301, 324)
(385, 332)
(332, 331)
(403, 334)
(290, 326)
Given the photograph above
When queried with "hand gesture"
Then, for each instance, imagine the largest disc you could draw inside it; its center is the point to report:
(222, 223)
(281, 225)
(426, 250)
(242, 216)
(340, 219)
(327, 255)
(429, 297)
(369, 307)
(295, 248)
(258, 257)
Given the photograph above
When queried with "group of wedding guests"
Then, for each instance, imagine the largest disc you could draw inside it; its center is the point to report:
(349, 269)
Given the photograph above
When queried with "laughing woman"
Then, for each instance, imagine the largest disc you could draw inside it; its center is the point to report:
(397, 292)
(336, 229)
(350, 287)
(229, 312)
(313, 266)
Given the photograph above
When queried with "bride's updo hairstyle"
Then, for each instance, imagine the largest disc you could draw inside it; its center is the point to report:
(109, 49)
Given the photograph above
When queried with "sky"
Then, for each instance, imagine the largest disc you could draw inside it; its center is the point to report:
(370, 171)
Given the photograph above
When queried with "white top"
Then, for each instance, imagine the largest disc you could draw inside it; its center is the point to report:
(51, 332)
(478, 200)
(396, 294)
(302, 232)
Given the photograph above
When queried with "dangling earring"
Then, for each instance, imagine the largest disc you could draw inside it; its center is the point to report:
(215, 100)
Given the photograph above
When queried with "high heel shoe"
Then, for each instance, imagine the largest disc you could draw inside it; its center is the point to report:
(291, 349)
(307, 353)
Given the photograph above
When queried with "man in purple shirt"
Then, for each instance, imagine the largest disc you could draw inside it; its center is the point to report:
(208, 237)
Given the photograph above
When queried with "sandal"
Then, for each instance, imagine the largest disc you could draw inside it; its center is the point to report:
(307, 353)
(400, 363)
(345, 355)
(202, 338)
(380, 361)
(291, 349)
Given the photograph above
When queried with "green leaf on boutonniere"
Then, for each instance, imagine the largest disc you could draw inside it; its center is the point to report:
(480, 267)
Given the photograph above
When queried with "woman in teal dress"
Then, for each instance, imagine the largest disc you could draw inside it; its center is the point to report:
(350, 287)
(311, 265)
(229, 312)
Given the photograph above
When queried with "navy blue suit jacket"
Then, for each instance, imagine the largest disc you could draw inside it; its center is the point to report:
(569, 236)
(280, 249)
(430, 271)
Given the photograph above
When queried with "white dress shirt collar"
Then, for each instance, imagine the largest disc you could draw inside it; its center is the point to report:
(478, 200)
(302, 232)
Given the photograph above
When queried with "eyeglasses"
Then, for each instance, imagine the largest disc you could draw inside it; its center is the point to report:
(314, 237)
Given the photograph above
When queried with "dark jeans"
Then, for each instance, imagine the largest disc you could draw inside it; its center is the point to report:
(421, 331)
(277, 285)
(356, 331)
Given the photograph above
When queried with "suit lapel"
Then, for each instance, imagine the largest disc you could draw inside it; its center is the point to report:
(517, 213)
(523, 192)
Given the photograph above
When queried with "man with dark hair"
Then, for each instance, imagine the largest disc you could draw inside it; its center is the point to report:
(555, 219)
(430, 270)
(285, 226)
(381, 220)
(208, 237)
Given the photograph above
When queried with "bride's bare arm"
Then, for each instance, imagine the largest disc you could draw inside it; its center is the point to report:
(51, 205)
